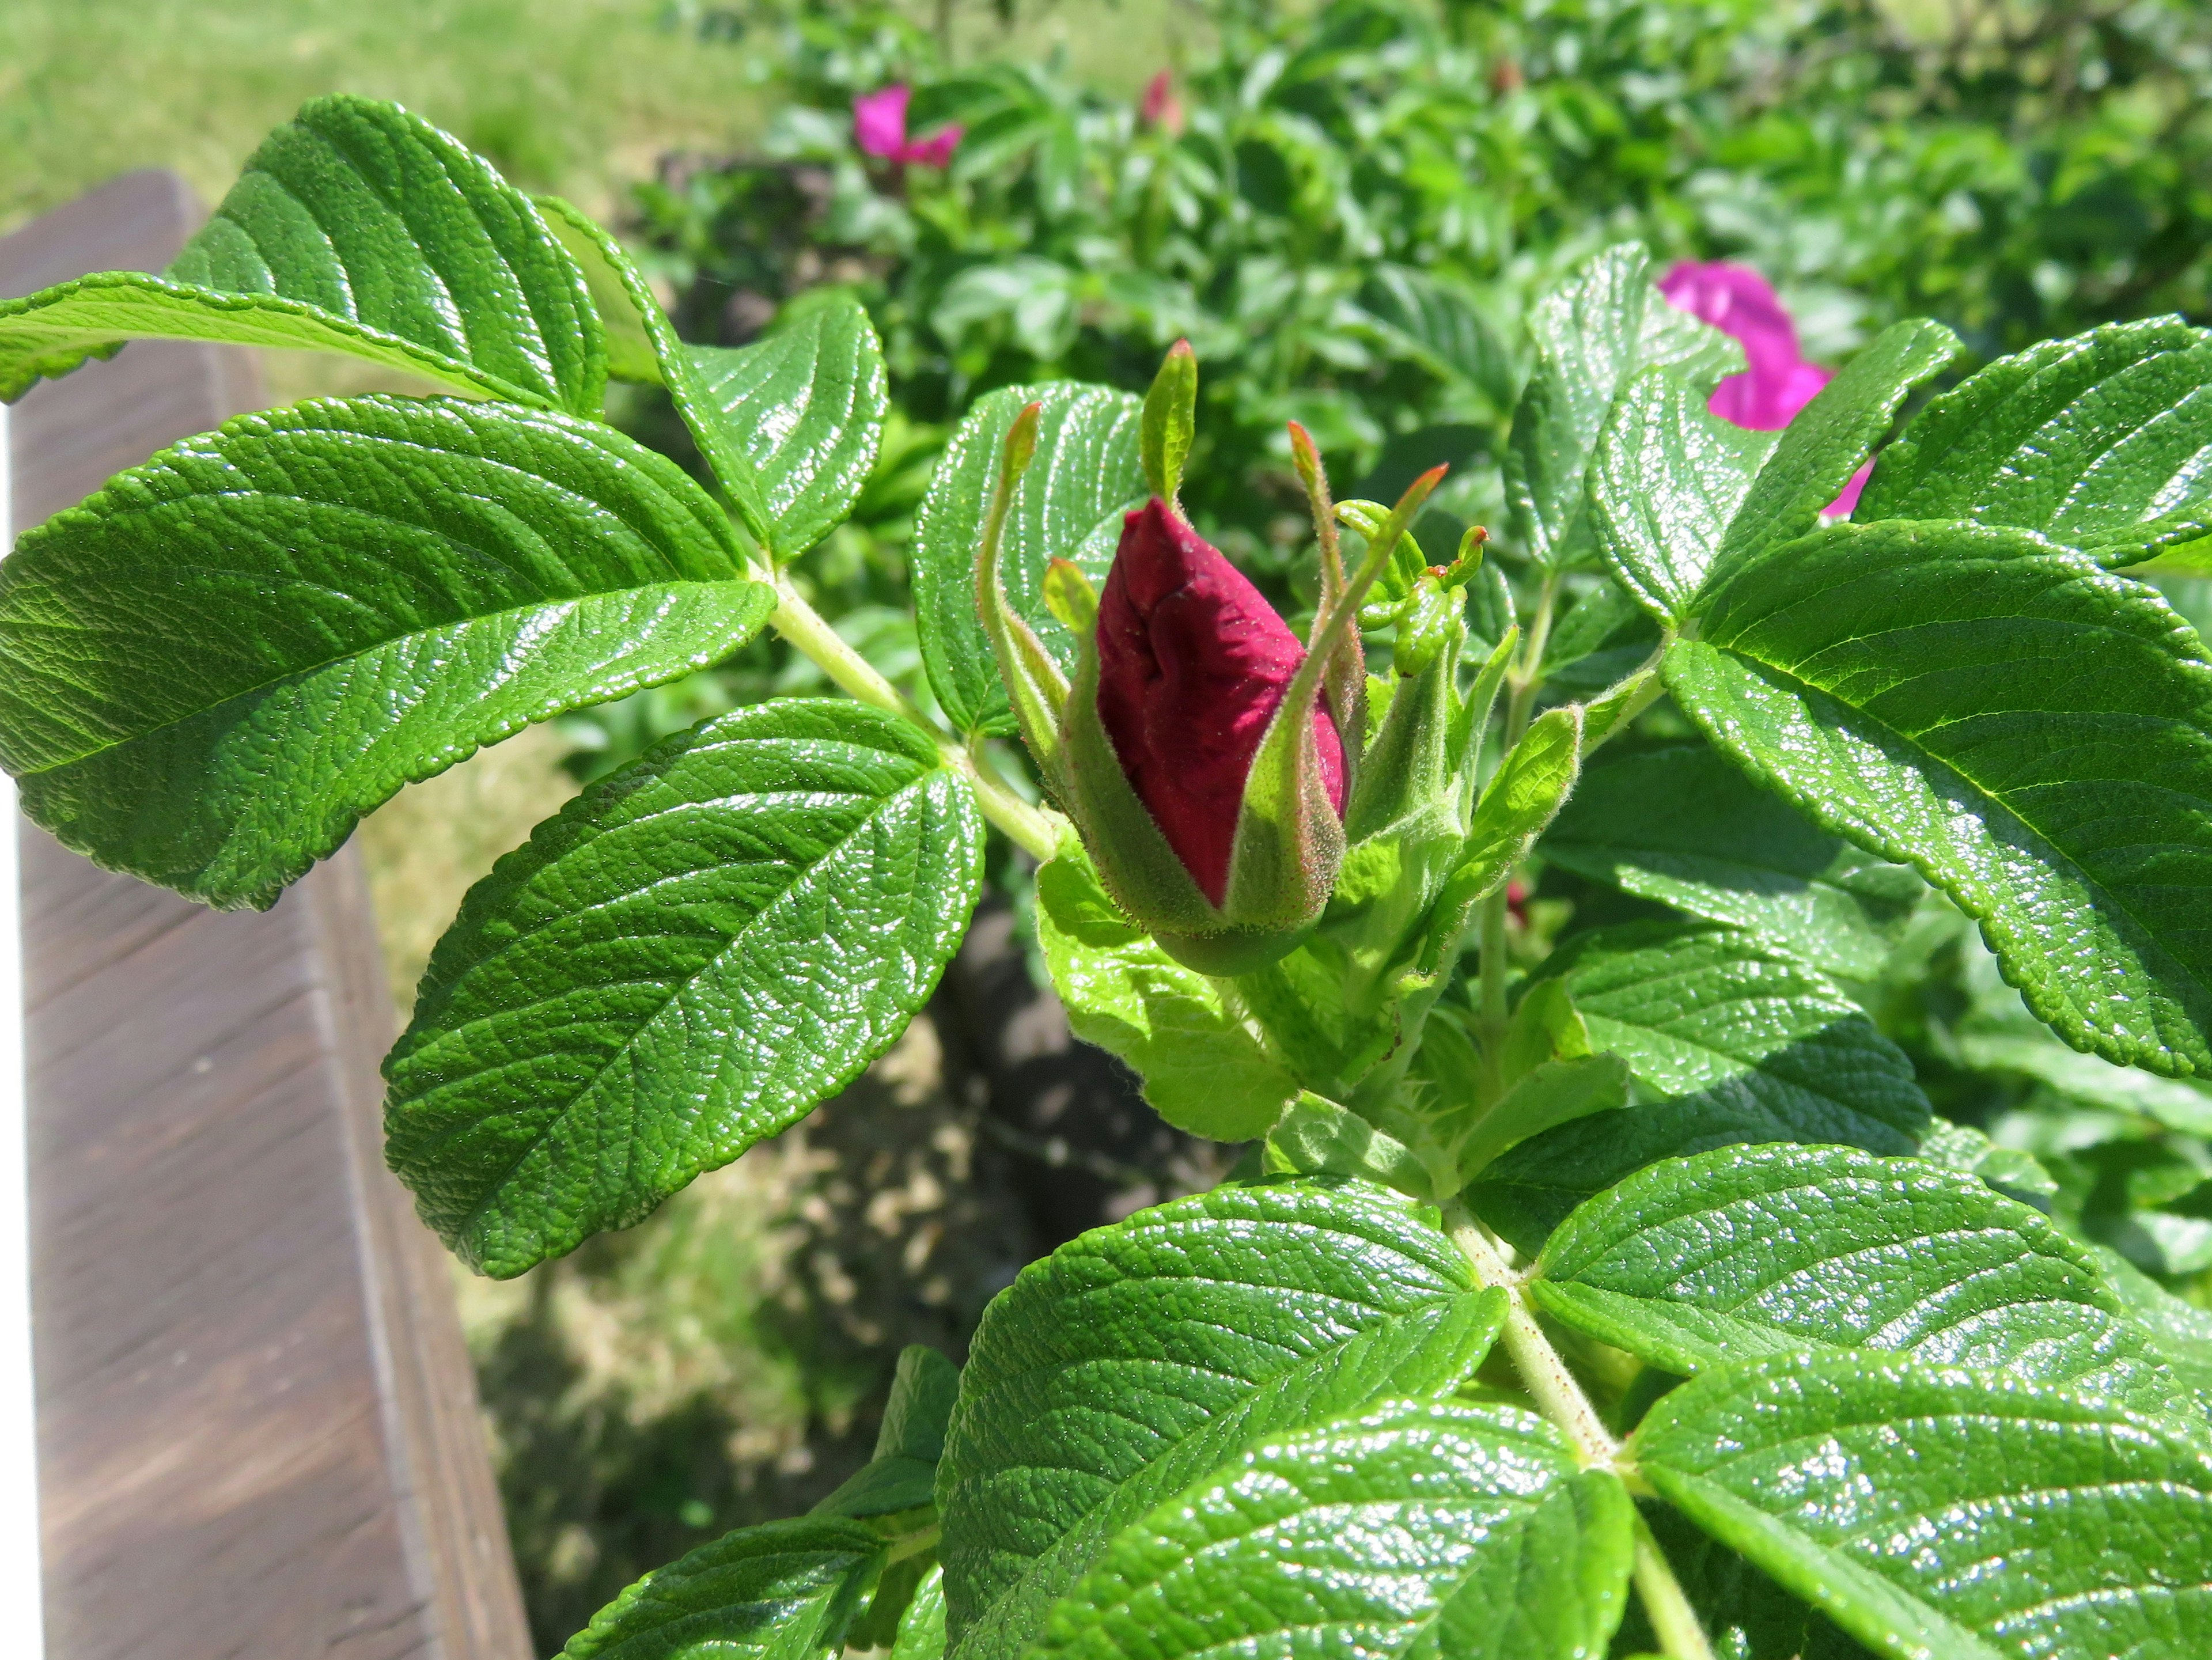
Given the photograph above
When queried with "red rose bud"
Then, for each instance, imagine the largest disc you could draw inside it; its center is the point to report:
(1193, 664)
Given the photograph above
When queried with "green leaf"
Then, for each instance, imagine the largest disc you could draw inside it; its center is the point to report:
(901, 1476)
(1317, 1137)
(1593, 334)
(1412, 1529)
(1938, 1513)
(2032, 733)
(1750, 1251)
(1068, 506)
(2181, 1331)
(215, 664)
(1830, 439)
(1203, 1068)
(1551, 1093)
(1437, 324)
(698, 950)
(922, 1627)
(1142, 1357)
(2097, 441)
(1685, 827)
(1666, 480)
(785, 1591)
(618, 294)
(1736, 1040)
(804, 408)
(372, 216)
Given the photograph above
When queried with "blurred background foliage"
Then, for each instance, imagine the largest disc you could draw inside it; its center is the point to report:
(1346, 207)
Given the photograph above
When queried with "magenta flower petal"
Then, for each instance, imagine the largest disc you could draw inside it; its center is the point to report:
(1161, 110)
(879, 121)
(1192, 663)
(934, 151)
(1846, 504)
(1767, 400)
(1736, 301)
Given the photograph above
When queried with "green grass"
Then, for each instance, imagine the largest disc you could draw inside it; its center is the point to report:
(574, 95)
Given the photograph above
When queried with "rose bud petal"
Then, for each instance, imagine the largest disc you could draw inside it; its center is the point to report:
(1192, 663)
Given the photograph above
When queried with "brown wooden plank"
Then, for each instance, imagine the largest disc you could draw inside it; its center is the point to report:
(258, 1431)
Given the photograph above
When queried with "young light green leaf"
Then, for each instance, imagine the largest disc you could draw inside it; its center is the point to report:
(1551, 1093)
(1830, 438)
(1136, 1359)
(1666, 480)
(921, 1627)
(1068, 506)
(372, 216)
(2032, 733)
(1593, 334)
(698, 950)
(785, 1591)
(618, 294)
(1516, 805)
(1940, 1513)
(1685, 827)
(804, 409)
(1317, 1137)
(1748, 1251)
(1204, 1069)
(1412, 1529)
(215, 664)
(1737, 1041)
(2097, 441)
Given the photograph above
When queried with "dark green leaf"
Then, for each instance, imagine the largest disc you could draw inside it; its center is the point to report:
(1943, 1514)
(1666, 480)
(1830, 437)
(372, 215)
(698, 950)
(2097, 441)
(1135, 1361)
(1736, 1040)
(1412, 1529)
(1685, 827)
(1067, 506)
(220, 661)
(2033, 734)
(1593, 334)
(1749, 1251)
(786, 1590)
(1438, 325)
(620, 296)
(804, 408)
(903, 1474)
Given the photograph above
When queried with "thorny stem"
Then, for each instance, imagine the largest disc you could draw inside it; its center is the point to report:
(1033, 829)
(1559, 1395)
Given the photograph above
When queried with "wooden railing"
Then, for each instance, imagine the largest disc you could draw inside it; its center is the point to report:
(258, 1433)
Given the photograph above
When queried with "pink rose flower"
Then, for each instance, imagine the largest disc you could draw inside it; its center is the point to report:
(1162, 111)
(1192, 663)
(879, 129)
(1777, 381)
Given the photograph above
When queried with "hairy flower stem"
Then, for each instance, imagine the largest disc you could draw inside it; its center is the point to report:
(1522, 685)
(1033, 829)
(1559, 1395)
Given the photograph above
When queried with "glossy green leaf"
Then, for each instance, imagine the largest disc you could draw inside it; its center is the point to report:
(1685, 827)
(1666, 480)
(1549, 1094)
(1749, 1251)
(215, 666)
(2099, 442)
(2032, 733)
(1135, 1360)
(1732, 1039)
(372, 216)
(1830, 438)
(1593, 334)
(804, 408)
(1940, 1513)
(698, 950)
(2181, 1331)
(1414, 1529)
(627, 308)
(785, 1591)
(1068, 506)
(1203, 1068)
(922, 1627)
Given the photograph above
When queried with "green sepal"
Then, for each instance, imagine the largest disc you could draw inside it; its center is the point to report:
(1035, 686)
(1344, 676)
(1070, 598)
(1170, 416)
